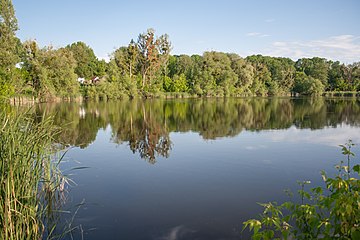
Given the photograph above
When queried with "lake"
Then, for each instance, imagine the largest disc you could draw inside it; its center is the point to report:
(193, 168)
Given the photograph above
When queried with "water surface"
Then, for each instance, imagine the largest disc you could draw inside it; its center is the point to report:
(194, 169)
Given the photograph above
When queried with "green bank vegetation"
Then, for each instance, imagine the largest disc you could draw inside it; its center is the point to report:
(146, 68)
(31, 185)
(330, 212)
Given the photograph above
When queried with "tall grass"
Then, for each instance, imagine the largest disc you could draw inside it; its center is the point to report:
(29, 179)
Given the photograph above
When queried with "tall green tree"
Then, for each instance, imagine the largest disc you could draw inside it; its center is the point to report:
(196, 74)
(244, 72)
(127, 59)
(8, 40)
(352, 76)
(164, 48)
(336, 76)
(185, 66)
(120, 82)
(307, 85)
(123, 68)
(33, 63)
(282, 73)
(217, 65)
(133, 55)
(61, 67)
(262, 81)
(315, 67)
(9, 46)
(51, 71)
(87, 64)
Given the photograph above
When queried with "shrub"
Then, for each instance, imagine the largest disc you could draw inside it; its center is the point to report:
(331, 212)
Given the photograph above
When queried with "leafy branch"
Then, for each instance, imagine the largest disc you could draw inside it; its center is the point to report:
(331, 212)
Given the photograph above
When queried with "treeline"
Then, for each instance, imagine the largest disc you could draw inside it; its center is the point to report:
(146, 68)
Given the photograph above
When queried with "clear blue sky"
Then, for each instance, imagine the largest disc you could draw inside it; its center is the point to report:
(295, 29)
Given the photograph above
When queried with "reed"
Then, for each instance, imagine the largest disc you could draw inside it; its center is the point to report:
(31, 183)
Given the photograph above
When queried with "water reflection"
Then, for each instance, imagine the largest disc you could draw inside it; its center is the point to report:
(145, 125)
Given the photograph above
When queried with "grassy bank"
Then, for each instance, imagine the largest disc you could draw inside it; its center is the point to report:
(342, 94)
(29, 177)
(30, 100)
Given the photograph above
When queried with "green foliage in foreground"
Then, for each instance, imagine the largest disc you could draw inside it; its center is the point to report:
(29, 179)
(331, 212)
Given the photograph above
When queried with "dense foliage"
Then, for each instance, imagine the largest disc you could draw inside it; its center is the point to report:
(330, 212)
(146, 68)
(8, 47)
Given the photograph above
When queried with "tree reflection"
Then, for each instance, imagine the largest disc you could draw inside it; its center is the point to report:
(77, 129)
(145, 125)
(144, 128)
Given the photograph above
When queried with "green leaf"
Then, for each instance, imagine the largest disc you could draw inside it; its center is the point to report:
(252, 224)
(355, 234)
(349, 209)
(287, 205)
(317, 190)
(307, 195)
(356, 168)
(269, 234)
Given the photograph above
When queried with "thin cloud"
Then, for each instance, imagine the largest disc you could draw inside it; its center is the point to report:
(345, 48)
(257, 34)
(253, 34)
(270, 20)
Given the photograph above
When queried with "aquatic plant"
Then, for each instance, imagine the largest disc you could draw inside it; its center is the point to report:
(31, 184)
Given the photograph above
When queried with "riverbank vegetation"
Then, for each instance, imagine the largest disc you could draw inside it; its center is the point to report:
(146, 68)
(31, 183)
(330, 212)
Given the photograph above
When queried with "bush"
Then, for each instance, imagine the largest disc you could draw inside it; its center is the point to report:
(331, 212)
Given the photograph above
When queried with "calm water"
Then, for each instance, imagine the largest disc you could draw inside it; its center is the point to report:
(194, 169)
